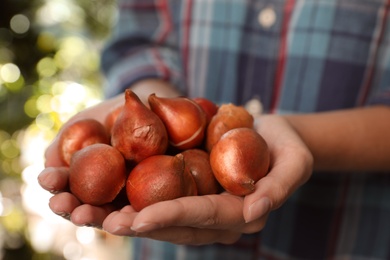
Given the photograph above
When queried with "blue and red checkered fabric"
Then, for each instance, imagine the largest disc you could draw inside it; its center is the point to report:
(296, 56)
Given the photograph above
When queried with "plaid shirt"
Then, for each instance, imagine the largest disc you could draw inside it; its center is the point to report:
(294, 56)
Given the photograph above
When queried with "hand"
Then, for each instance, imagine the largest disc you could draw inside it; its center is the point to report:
(291, 166)
(55, 177)
(223, 218)
(142, 88)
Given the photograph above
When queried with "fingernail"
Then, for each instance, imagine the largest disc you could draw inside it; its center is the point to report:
(121, 231)
(145, 227)
(258, 209)
(93, 225)
(65, 215)
(42, 179)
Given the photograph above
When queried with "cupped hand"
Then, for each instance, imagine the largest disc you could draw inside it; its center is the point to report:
(98, 112)
(54, 177)
(223, 218)
(291, 166)
(66, 205)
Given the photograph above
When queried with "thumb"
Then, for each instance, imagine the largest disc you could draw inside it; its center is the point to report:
(265, 198)
(52, 157)
(274, 189)
(291, 166)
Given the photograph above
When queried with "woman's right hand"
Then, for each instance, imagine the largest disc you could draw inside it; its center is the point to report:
(54, 177)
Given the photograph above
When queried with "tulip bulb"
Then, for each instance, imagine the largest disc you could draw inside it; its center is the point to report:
(228, 116)
(183, 118)
(79, 134)
(159, 178)
(239, 159)
(138, 132)
(97, 174)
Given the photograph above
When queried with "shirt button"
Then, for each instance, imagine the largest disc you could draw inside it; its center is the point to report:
(254, 106)
(267, 17)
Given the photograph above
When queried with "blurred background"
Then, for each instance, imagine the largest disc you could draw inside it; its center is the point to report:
(49, 70)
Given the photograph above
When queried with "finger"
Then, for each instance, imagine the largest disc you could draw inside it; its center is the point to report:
(254, 226)
(192, 236)
(63, 204)
(210, 211)
(291, 164)
(54, 179)
(88, 215)
(119, 222)
(52, 155)
(290, 167)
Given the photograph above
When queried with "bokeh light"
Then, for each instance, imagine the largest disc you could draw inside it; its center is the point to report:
(30, 107)
(85, 235)
(72, 250)
(9, 73)
(6, 206)
(20, 23)
(49, 71)
(46, 41)
(44, 121)
(53, 12)
(60, 12)
(46, 67)
(43, 235)
(9, 148)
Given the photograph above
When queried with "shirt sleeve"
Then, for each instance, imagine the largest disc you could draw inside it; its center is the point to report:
(142, 46)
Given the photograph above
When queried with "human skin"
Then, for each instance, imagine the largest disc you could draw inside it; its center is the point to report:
(342, 141)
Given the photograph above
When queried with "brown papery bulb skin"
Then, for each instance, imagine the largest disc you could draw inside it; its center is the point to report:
(97, 173)
(197, 162)
(79, 134)
(111, 118)
(138, 132)
(239, 159)
(228, 116)
(183, 118)
(159, 178)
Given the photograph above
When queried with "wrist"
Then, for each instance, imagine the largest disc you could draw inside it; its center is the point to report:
(346, 140)
(286, 147)
(143, 88)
